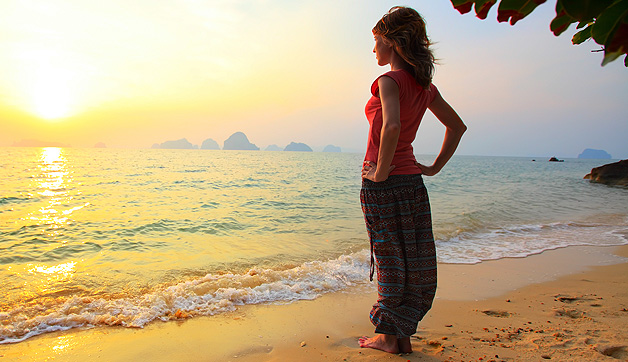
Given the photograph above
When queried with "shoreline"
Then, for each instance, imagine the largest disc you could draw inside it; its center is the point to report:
(568, 304)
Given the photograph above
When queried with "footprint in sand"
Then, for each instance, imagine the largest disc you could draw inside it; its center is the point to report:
(571, 313)
(432, 347)
(497, 313)
(568, 299)
(618, 352)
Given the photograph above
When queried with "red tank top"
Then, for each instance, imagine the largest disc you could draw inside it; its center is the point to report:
(413, 100)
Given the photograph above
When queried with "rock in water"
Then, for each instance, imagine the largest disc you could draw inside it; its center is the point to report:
(610, 174)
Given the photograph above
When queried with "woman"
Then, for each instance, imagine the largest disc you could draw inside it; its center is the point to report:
(394, 200)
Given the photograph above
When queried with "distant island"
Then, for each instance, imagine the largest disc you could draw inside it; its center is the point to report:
(239, 141)
(331, 148)
(591, 153)
(210, 144)
(182, 144)
(299, 147)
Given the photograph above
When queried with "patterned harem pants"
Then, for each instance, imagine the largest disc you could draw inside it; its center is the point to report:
(399, 225)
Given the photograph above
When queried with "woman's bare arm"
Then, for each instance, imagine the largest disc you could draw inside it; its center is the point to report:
(391, 127)
(455, 128)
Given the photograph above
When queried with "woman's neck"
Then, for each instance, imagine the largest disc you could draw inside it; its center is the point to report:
(397, 62)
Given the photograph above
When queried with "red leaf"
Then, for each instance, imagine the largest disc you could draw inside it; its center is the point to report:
(559, 30)
(482, 13)
(512, 15)
(464, 8)
(619, 42)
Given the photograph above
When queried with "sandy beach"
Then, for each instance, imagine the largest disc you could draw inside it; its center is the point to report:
(562, 305)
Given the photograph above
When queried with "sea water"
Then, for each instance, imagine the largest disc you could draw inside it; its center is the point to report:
(97, 237)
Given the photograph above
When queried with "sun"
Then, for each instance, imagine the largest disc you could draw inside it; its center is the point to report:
(47, 83)
(51, 98)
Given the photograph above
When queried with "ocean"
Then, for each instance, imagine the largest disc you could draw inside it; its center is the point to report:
(103, 237)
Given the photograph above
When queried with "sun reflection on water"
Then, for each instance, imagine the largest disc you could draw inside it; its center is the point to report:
(46, 242)
(52, 183)
(62, 270)
(48, 277)
(39, 280)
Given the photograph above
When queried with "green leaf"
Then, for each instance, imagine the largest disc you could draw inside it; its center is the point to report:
(515, 10)
(582, 36)
(585, 10)
(610, 56)
(482, 7)
(608, 21)
(562, 20)
(617, 43)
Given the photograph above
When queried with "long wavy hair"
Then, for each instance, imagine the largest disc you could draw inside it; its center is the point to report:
(404, 28)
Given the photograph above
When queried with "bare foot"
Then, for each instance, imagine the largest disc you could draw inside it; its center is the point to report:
(404, 345)
(383, 342)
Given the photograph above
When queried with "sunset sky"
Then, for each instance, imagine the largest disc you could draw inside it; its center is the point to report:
(134, 73)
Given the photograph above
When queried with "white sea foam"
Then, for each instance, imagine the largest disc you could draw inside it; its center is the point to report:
(210, 295)
(524, 240)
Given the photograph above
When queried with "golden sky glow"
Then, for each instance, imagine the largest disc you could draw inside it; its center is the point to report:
(131, 74)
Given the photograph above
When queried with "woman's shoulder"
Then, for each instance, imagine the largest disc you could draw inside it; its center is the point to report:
(397, 75)
(404, 79)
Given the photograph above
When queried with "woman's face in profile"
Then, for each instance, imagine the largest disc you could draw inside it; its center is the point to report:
(382, 50)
